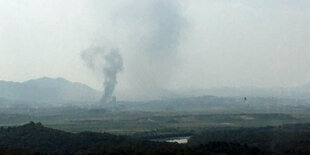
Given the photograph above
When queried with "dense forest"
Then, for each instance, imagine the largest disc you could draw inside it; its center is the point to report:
(35, 138)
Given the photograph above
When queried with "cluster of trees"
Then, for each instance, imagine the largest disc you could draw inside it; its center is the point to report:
(289, 139)
(35, 138)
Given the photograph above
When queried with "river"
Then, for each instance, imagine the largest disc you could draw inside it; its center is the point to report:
(180, 140)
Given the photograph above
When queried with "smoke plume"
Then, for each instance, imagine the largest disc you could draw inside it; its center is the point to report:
(106, 65)
(157, 26)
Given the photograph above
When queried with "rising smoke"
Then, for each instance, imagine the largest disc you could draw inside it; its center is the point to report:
(164, 37)
(151, 31)
(158, 26)
(106, 64)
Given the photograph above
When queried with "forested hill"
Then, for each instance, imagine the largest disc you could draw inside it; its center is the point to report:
(34, 137)
(284, 139)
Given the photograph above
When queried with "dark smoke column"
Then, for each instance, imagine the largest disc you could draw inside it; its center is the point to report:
(114, 65)
(106, 64)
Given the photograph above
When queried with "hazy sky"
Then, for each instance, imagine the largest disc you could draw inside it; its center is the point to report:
(164, 44)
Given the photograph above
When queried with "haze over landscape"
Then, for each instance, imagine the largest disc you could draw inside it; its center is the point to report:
(155, 77)
(164, 44)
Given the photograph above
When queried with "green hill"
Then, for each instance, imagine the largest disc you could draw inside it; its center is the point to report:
(35, 138)
(290, 139)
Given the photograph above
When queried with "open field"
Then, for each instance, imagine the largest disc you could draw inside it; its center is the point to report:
(148, 119)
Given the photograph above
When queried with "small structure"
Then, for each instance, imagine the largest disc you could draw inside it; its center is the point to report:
(113, 100)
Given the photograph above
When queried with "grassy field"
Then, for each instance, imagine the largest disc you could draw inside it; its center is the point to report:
(164, 117)
(131, 122)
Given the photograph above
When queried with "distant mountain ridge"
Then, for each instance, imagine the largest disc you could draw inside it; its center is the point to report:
(59, 92)
(48, 90)
(300, 92)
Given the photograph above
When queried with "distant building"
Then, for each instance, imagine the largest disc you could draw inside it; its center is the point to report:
(113, 100)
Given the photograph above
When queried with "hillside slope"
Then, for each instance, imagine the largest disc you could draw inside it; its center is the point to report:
(48, 90)
(34, 137)
(288, 139)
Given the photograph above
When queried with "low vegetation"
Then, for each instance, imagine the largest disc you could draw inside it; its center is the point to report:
(35, 138)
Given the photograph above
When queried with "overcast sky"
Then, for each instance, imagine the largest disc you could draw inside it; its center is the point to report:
(164, 44)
